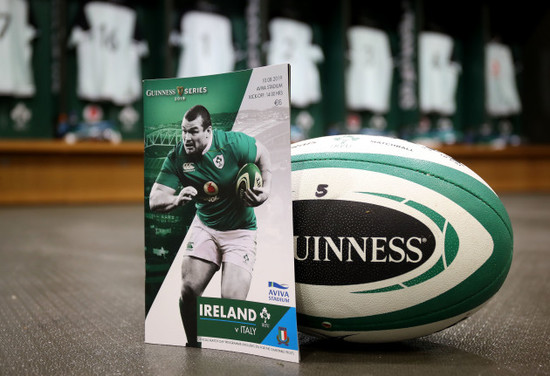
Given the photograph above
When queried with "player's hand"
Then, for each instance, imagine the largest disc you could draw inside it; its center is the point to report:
(255, 196)
(185, 195)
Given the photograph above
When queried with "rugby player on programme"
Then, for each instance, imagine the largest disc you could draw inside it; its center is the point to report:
(223, 232)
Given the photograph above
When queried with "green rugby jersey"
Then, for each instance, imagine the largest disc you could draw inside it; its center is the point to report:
(213, 176)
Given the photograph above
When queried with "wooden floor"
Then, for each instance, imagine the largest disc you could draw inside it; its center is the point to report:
(37, 172)
(72, 303)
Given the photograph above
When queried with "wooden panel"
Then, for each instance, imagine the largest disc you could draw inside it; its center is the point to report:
(515, 169)
(43, 172)
(513, 175)
(46, 147)
(46, 172)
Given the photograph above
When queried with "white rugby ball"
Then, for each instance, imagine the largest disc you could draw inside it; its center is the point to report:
(393, 240)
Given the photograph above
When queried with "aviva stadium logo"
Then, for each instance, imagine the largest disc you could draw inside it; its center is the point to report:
(278, 292)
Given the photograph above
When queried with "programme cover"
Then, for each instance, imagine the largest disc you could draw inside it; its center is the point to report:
(200, 236)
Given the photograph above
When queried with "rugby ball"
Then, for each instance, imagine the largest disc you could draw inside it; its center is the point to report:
(249, 176)
(393, 240)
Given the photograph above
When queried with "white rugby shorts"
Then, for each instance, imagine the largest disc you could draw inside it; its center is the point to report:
(236, 247)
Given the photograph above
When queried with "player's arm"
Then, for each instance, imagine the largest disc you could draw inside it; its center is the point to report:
(257, 196)
(163, 198)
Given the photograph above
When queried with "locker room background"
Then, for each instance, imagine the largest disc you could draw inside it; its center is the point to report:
(318, 42)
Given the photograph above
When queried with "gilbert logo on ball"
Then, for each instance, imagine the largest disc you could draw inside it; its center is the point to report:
(392, 240)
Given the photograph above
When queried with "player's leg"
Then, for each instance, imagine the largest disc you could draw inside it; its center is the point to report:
(239, 256)
(196, 274)
(235, 281)
(201, 261)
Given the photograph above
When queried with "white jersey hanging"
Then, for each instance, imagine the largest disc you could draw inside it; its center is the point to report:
(291, 42)
(16, 34)
(501, 94)
(206, 42)
(108, 55)
(437, 72)
(369, 76)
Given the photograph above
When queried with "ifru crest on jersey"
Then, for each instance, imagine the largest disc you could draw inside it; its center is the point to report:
(219, 161)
